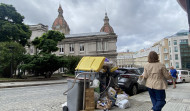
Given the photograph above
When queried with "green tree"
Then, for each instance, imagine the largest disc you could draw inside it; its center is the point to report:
(71, 63)
(44, 63)
(10, 52)
(12, 27)
(47, 43)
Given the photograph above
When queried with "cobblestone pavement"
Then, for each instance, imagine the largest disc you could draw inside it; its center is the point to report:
(33, 98)
(50, 98)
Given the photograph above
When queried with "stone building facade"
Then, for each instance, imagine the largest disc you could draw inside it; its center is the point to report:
(125, 59)
(37, 31)
(101, 43)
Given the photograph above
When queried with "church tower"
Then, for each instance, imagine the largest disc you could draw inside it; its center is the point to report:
(106, 27)
(60, 24)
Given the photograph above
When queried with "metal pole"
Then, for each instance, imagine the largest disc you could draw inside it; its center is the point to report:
(11, 67)
(12, 64)
(11, 48)
(84, 93)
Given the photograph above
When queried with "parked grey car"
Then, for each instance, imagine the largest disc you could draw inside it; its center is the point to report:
(128, 80)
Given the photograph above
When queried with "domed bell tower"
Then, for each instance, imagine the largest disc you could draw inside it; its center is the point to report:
(60, 24)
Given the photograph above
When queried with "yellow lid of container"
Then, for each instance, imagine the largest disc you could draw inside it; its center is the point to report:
(89, 63)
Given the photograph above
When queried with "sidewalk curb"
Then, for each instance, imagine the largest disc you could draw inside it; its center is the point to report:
(31, 85)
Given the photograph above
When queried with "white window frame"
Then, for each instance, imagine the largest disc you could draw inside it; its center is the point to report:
(165, 57)
(61, 49)
(102, 46)
(165, 50)
(175, 49)
(99, 46)
(177, 64)
(105, 46)
(81, 47)
(175, 41)
(71, 48)
(176, 57)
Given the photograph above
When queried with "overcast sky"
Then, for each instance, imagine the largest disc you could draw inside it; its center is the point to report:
(138, 23)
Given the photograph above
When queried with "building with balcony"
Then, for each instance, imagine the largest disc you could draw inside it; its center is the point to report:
(173, 51)
(141, 56)
(125, 59)
(179, 50)
(163, 51)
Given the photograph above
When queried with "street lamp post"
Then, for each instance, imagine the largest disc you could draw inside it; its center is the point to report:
(11, 48)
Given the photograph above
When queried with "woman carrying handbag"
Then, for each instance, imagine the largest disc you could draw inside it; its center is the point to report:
(156, 74)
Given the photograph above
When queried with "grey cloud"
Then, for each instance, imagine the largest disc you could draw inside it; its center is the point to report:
(136, 22)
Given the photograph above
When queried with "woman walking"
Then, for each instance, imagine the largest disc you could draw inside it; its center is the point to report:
(156, 75)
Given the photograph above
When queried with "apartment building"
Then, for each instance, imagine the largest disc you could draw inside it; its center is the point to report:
(125, 59)
(141, 56)
(173, 51)
(179, 50)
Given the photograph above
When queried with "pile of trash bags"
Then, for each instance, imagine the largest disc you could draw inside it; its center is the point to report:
(111, 97)
(107, 94)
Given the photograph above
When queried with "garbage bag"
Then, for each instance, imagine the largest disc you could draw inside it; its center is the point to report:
(96, 96)
(111, 92)
(104, 104)
(121, 97)
(124, 104)
(96, 83)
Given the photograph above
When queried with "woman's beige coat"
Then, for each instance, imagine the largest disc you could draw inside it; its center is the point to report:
(156, 75)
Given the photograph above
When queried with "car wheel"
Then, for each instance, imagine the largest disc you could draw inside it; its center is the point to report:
(134, 90)
(65, 108)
